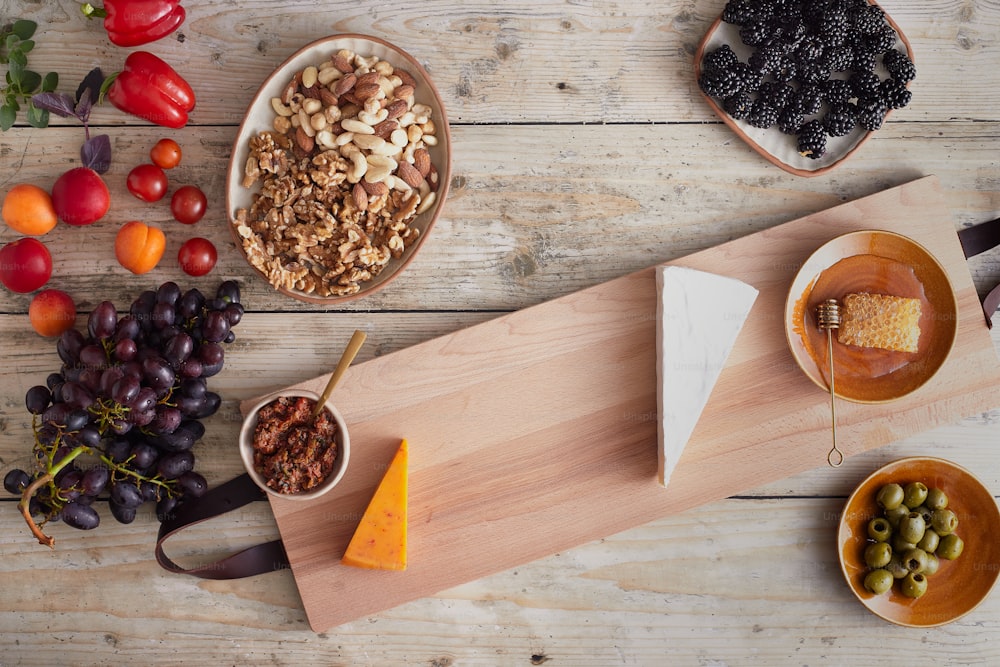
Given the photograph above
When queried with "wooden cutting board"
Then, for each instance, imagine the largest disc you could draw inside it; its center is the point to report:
(536, 432)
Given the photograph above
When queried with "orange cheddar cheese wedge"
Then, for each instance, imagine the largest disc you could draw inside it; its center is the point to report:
(379, 541)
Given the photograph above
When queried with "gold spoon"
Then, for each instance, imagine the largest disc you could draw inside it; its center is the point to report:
(828, 316)
(357, 340)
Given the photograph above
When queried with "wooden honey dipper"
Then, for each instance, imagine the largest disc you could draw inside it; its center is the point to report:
(828, 318)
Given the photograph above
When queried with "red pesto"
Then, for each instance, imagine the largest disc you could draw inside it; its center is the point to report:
(291, 451)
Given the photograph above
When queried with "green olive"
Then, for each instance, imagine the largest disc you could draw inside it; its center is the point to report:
(878, 581)
(936, 499)
(900, 545)
(914, 585)
(896, 567)
(915, 560)
(877, 554)
(914, 494)
(929, 542)
(890, 496)
(912, 527)
(944, 522)
(879, 529)
(933, 563)
(894, 515)
(950, 547)
(925, 512)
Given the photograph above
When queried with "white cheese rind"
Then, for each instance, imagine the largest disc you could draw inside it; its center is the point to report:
(699, 317)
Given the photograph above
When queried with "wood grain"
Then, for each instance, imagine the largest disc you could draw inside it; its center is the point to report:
(524, 425)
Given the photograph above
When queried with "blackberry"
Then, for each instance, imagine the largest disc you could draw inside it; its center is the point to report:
(767, 59)
(867, 19)
(840, 120)
(895, 94)
(881, 40)
(812, 72)
(790, 120)
(776, 95)
(810, 50)
(738, 105)
(864, 61)
(865, 84)
(833, 25)
(808, 99)
(721, 58)
(812, 140)
(719, 83)
(871, 116)
(899, 65)
(762, 115)
(837, 91)
(739, 12)
(839, 58)
(756, 33)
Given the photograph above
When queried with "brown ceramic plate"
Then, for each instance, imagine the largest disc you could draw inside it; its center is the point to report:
(260, 115)
(882, 263)
(778, 148)
(959, 585)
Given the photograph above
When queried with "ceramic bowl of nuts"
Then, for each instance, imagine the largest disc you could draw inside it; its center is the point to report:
(289, 453)
(339, 170)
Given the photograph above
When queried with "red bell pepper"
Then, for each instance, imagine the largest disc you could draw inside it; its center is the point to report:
(149, 88)
(134, 22)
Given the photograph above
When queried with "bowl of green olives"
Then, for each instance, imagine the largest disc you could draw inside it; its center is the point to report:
(917, 542)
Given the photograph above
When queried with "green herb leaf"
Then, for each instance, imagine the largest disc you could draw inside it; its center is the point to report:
(11, 42)
(30, 81)
(7, 117)
(37, 117)
(50, 82)
(26, 45)
(24, 28)
(19, 59)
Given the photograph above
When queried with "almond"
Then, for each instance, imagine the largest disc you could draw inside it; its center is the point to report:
(375, 189)
(409, 174)
(366, 91)
(328, 97)
(432, 178)
(341, 61)
(290, 90)
(385, 128)
(304, 141)
(422, 161)
(403, 92)
(344, 84)
(395, 109)
(360, 197)
(406, 78)
(368, 77)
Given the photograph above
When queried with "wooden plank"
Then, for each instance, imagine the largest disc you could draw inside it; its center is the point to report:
(533, 432)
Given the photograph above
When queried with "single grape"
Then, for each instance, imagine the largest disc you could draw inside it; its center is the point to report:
(163, 315)
(16, 481)
(95, 480)
(109, 376)
(128, 328)
(118, 450)
(212, 357)
(69, 344)
(125, 349)
(234, 313)
(37, 398)
(194, 387)
(122, 514)
(190, 303)
(166, 421)
(215, 327)
(80, 515)
(93, 356)
(158, 373)
(229, 291)
(177, 349)
(125, 390)
(191, 368)
(144, 456)
(175, 464)
(103, 320)
(165, 508)
(211, 403)
(125, 494)
(89, 436)
(150, 491)
(53, 380)
(192, 484)
(168, 292)
(76, 420)
(190, 406)
(90, 378)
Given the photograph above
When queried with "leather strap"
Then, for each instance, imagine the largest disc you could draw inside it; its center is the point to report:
(976, 240)
(234, 494)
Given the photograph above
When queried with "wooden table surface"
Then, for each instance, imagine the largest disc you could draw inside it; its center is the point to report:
(582, 152)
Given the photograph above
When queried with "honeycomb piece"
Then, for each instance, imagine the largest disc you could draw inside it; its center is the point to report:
(882, 321)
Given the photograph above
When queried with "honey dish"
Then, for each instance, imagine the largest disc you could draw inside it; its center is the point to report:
(900, 316)
(289, 454)
(339, 170)
(952, 584)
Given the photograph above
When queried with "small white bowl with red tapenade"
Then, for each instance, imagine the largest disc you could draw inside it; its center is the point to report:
(287, 453)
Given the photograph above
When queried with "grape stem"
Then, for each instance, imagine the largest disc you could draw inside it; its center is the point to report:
(29, 491)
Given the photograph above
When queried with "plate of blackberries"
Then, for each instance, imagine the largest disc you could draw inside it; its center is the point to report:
(804, 82)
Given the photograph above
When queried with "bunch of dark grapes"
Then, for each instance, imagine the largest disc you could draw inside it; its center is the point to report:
(121, 416)
(801, 46)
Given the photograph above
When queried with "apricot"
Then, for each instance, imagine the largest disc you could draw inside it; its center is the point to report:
(52, 312)
(28, 209)
(139, 247)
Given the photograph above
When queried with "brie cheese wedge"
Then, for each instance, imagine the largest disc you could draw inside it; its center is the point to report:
(699, 316)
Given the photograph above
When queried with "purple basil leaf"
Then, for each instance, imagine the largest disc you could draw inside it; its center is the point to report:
(96, 153)
(83, 106)
(57, 103)
(92, 83)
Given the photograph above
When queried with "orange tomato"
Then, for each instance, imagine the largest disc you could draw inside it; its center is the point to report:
(28, 209)
(139, 247)
(52, 312)
(166, 154)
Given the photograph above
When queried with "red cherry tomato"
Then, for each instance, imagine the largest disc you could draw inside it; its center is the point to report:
(166, 154)
(188, 204)
(147, 182)
(25, 265)
(197, 256)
